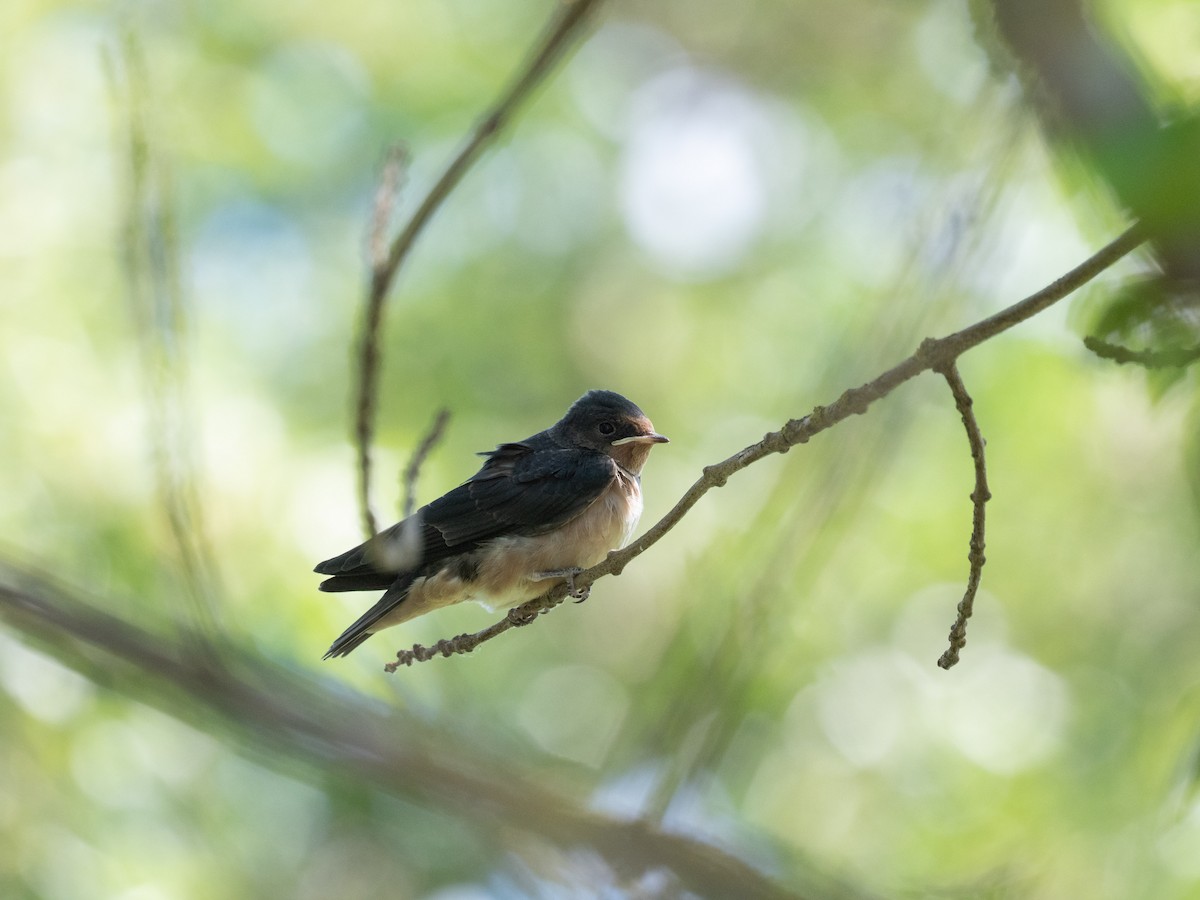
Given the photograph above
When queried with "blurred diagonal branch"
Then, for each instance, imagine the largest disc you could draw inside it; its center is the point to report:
(934, 354)
(564, 27)
(287, 718)
(158, 310)
(1092, 93)
(1141, 136)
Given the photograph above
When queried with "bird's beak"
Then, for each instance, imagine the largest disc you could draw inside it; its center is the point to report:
(651, 438)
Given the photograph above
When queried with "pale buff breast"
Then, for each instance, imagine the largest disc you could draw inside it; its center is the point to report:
(507, 566)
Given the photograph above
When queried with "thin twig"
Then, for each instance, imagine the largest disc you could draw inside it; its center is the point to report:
(565, 25)
(387, 195)
(391, 180)
(464, 643)
(979, 498)
(402, 548)
(1147, 359)
(413, 470)
(933, 354)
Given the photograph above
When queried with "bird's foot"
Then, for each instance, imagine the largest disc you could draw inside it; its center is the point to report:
(578, 594)
(519, 616)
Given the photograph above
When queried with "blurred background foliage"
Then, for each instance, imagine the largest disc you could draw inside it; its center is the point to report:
(728, 212)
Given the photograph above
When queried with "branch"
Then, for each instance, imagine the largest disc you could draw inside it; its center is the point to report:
(282, 716)
(413, 470)
(565, 25)
(933, 354)
(391, 180)
(979, 498)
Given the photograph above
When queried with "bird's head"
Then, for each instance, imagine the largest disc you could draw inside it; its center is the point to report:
(606, 421)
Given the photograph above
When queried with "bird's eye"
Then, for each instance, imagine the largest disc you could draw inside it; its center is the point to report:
(607, 427)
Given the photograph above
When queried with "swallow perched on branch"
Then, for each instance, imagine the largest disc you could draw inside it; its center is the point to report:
(539, 511)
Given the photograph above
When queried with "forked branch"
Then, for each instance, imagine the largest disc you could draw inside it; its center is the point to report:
(936, 354)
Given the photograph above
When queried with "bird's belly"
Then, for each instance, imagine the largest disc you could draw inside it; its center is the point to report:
(505, 569)
(509, 565)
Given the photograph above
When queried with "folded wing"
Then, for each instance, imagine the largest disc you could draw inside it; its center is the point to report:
(519, 490)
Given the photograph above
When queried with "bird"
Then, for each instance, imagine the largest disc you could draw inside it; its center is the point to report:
(538, 512)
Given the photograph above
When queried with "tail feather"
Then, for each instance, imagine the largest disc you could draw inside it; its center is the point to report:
(362, 627)
(394, 549)
(346, 643)
(371, 581)
(353, 561)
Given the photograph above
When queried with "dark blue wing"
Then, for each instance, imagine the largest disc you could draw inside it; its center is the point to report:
(521, 489)
(518, 493)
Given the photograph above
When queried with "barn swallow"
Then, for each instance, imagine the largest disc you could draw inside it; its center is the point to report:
(539, 511)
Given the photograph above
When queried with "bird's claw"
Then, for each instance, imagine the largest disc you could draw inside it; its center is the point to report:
(579, 594)
(519, 616)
